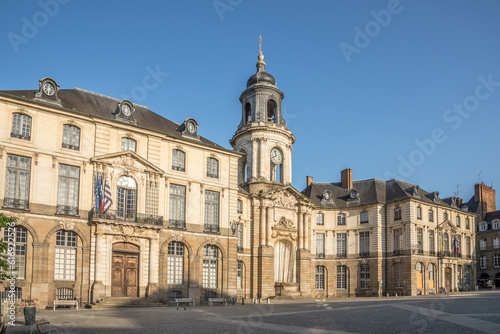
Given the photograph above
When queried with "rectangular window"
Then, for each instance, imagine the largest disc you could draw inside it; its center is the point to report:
(482, 244)
(458, 221)
(175, 263)
(445, 215)
(239, 206)
(431, 242)
(213, 168)
(431, 215)
(320, 245)
(240, 238)
(319, 219)
(21, 235)
(64, 294)
(397, 213)
(68, 191)
(364, 243)
(467, 223)
(497, 261)
(467, 245)
(21, 126)
(483, 262)
(341, 277)
(65, 256)
(496, 243)
(341, 219)
(397, 275)
(420, 240)
(177, 206)
(178, 160)
(398, 241)
(320, 278)
(71, 137)
(211, 211)
(341, 245)
(239, 277)
(419, 212)
(363, 217)
(364, 276)
(128, 144)
(17, 185)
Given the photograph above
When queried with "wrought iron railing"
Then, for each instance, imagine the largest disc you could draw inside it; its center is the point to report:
(320, 255)
(364, 254)
(16, 203)
(71, 147)
(341, 256)
(127, 216)
(20, 136)
(67, 210)
(211, 228)
(176, 223)
(420, 251)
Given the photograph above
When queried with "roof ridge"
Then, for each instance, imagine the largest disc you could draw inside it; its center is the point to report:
(109, 97)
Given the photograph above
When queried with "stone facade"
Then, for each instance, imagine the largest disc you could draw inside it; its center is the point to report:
(113, 200)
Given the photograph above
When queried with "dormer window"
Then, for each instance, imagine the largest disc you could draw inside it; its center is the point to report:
(483, 226)
(21, 126)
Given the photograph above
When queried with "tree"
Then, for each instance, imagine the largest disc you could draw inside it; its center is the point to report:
(6, 264)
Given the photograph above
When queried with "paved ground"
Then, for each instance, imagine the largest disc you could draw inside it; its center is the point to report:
(458, 313)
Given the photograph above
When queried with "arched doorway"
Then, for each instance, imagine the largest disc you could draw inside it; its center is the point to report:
(284, 262)
(497, 280)
(125, 270)
(483, 280)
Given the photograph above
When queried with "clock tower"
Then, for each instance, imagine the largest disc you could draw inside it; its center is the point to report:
(262, 133)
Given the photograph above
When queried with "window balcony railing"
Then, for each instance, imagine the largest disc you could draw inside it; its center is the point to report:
(20, 136)
(341, 256)
(443, 254)
(213, 175)
(71, 147)
(16, 203)
(127, 216)
(320, 255)
(420, 251)
(212, 228)
(239, 249)
(176, 223)
(397, 252)
(364, 254)
(67, 210)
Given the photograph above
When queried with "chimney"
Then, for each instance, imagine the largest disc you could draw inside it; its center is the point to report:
(309, 180)
(486, 197)
(346, 178)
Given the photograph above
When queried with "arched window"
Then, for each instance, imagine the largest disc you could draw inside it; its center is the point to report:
(396, 269)
(208, 295)
(65, 256)
(420, 275)
(71, 137)
(21, 234)
(128, 144)
(248, 113)
(126, 205)
(320, 278)
(210, 266)
(284, 262)
(271, 111)
(21, 126)
(364, 276)
(341, 277)
(431, 275)
(175, 263)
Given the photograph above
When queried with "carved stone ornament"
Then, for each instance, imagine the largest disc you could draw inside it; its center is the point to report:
(363, 262)
(285, 200)
(397, 260)
(127, 162)
(211, 240)
(284, 224)
(177, 236)
(67, 225)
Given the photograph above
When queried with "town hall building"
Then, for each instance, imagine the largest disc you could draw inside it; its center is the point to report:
(112, 200)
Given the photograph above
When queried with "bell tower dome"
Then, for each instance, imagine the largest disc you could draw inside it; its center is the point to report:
(262, 133)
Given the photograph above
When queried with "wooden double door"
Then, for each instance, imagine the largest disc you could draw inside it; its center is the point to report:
(125, 271)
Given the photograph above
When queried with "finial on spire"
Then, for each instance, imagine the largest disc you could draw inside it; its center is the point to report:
(261, 64)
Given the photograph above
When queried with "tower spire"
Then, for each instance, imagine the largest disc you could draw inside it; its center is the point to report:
(261, 65)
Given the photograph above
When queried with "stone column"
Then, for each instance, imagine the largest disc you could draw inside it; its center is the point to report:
(269, 222)
(262, 223)
(306, 230)
(300, 229)
(98, 291)
(255, 160)
(152, 288)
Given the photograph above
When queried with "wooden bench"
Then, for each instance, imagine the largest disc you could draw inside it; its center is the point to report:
(66, 303)
(217, 300)
(184, 300)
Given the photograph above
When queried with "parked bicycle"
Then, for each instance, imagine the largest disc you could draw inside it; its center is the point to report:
(27, 303)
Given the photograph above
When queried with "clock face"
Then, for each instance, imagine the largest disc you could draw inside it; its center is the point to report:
(276, 156)
(48, 89)
(190, 127)
(126, 110)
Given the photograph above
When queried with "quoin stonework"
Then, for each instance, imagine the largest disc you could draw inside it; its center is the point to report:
(115, 201)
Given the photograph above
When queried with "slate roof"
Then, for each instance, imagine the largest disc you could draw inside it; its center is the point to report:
(88, 103)
(492, 215)
(369, 192)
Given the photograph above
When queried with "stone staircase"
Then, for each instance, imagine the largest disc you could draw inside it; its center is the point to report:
(118, 302)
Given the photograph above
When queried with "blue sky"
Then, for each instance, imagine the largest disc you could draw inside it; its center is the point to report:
(392, 89)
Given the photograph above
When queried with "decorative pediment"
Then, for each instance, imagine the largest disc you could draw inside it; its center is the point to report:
(447, 225)
(287, 197)
(129, 161)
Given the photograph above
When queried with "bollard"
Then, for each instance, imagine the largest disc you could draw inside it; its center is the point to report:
(260, 300)
(268, 300)
(396, 294)
(242, 300)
